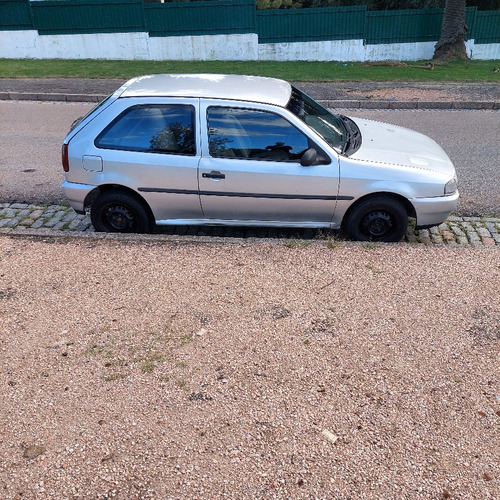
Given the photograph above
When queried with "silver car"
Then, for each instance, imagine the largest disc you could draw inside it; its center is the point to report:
(249, 151)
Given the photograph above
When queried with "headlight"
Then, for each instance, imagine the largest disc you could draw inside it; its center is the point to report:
(450, 187)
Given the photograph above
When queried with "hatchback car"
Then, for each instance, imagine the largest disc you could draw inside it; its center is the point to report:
(249, 151)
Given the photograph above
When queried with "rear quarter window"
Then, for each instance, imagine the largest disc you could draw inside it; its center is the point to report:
(151, 128)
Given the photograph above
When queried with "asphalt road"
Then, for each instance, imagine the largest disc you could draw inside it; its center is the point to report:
(31, 134)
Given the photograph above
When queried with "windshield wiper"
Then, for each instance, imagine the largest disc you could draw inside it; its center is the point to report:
(353, 140)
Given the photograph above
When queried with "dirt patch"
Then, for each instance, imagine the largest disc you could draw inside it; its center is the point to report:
(248, 370)
(404, 94)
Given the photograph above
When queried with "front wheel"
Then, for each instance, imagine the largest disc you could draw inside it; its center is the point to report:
(118, 212)
(380, 218)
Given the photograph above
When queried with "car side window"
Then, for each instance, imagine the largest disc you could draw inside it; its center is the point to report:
(253, 134)
(154, 128)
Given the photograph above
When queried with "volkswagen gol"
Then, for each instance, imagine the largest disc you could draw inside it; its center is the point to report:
(249, 151)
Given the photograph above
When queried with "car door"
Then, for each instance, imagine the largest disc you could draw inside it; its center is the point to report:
(250, 169)
(152, 147)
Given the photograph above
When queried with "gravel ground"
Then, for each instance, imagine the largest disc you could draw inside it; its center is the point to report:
(248, 370)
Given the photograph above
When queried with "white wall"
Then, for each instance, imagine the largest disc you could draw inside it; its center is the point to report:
(334, 50)
(204, 48)
(139, 46)
(485, 51)
(31, 45)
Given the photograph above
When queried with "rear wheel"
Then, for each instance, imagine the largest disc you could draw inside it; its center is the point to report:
(118, 212)
(379, 218)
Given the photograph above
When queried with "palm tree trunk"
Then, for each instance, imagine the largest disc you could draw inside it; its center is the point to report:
(451, 44)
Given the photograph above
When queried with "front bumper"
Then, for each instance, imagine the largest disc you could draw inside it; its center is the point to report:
(434, 211)
(77, 194)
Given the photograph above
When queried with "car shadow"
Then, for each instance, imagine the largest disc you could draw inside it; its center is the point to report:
(248, 232)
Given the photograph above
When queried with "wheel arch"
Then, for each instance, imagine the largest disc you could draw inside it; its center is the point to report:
(410, 209)
(94, 194)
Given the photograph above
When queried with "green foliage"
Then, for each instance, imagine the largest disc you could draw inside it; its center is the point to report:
(370, 4)
(484, 4)
(278, 4)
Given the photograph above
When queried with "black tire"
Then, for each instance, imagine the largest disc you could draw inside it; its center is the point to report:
(380, 218)
(119, 212)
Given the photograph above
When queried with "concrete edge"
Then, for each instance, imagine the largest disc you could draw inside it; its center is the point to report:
(429, 238)
(33, 96)
(329, 103)
(44, 234)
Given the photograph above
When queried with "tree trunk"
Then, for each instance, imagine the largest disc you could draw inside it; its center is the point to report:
(451, 44)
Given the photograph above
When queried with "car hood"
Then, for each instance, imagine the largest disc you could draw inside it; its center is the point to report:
(391, 144)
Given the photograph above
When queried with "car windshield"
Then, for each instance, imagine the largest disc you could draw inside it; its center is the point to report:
(329, 126)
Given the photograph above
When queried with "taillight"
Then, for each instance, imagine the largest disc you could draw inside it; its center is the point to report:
(65, 159)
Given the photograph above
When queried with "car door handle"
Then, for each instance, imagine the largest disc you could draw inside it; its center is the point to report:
(214, 174)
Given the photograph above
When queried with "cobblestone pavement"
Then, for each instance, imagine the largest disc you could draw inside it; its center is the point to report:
(59, 220)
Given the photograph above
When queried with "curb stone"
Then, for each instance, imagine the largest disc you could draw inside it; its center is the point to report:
(61, 220)
(30, 96)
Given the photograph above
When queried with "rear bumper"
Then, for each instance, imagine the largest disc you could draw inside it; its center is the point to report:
(77, 194)
(434, 211)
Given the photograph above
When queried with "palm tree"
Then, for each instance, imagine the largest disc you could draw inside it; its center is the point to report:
(451, 44)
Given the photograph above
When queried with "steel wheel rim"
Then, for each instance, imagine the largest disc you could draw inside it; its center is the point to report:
(377, 224)
(119, 218)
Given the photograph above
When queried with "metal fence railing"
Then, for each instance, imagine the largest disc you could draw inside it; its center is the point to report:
(238, 16)
(301, 25)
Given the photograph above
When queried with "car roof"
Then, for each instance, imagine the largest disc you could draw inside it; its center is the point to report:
(213, 86)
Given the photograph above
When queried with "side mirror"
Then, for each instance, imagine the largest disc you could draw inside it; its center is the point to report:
(309, 157)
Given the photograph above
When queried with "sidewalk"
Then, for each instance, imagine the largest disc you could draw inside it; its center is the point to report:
(61, 220)
(367, 95)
